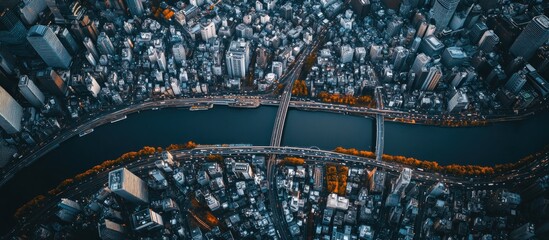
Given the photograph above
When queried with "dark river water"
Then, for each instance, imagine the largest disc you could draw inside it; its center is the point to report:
(497, 143)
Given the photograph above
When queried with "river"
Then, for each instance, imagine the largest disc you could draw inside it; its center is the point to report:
(497, 143)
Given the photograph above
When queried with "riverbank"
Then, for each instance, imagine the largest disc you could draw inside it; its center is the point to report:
(453, 169)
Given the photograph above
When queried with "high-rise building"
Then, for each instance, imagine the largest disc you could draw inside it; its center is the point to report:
(277, 68)
(524, 232)
(431, 46)
(516, 82)
(458, 102)
(347, 53)
(442, 12)
(128, 186)
(207, 30)
(238, 58)
(12, 30)
(539, 84)
(52, 82)
(178, 52)
(90, 46)
(109, 230)
(243, 170)
(30, 9)
(360, 7)
(31, 92)
(10, 113)
(65, 11)
(454, 56)
(432, 79)
(146, 220)
(437, 190)
(104, 44)
(135, 6)
(420, 62)
(535, 34)
(67, 40)
(488, 41)
(402, 181)
(477, 31)
(400, 58)
(48, 46)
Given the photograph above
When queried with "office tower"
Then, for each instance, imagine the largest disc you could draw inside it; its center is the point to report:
(92, 85)
(10, 113)
(52, 82)
(437, 190)
(458, 20)
(12, 30)
(109, 230)
(262, 55)
(135, 7)
(376, 179)
(360, 7)
(277, 68)
(286, 11)
(459, 78)
(535, 34)
(539, 84)
(393, 28)
(432, 79)
(431, 46)
(454, 56)
(30, 9)
(421, 29)
(402, 181)
(89, 27)
(178, 52)
(104, 44)
(90, 46)
(516, 82)
(488, 41)
(31, 92)
(70, 206)
(420, 62)
(400, 58)
(376, 52)
(67, 40)
(458, 102)
(65, 11)
(243, 170)
(48, 46)
(146, 220)
(347, 53)
(207, 30)
(238, 59)
(523, 232)
(442, 12)
(7, 61)
(128, 186)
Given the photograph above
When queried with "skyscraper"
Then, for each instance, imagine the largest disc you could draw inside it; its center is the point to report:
(207, 30)
(488, 41)
(458, 102)
(178, 52)
(48, 46)
(29, 10)
(67, 40)
(104, 44)
(52, 82)
(65, 10)
(243, 170)
(442, 12)
(31, 92)
(402, 181)
(128, 186)
(135, 7)
(10, 113)
(12, 30)
(432, 79)
(535, 34)
(516, 82)
(238, 58)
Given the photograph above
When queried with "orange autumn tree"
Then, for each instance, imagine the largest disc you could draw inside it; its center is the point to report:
(300, 88)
